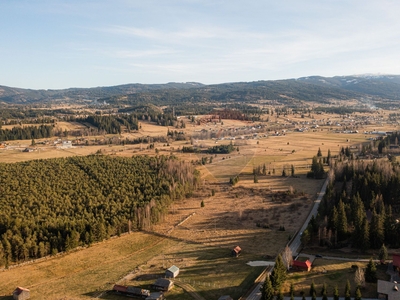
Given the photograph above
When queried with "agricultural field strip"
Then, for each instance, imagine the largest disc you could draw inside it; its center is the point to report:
(103, 263)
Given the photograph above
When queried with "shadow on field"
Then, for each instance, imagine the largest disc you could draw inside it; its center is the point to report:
(6, 297)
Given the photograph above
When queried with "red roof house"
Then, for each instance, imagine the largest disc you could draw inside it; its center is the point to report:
(236, 251)
(302, 265)
(396, 260)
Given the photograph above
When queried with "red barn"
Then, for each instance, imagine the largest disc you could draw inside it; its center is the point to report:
(302, 265)
(396, 260)
(236, 251)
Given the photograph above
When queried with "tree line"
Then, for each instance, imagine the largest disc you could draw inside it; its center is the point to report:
(360, 205)
(48, 206)
(26, 133)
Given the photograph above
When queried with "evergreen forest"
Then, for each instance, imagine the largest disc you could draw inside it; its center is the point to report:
(53, 205)
(360, 206)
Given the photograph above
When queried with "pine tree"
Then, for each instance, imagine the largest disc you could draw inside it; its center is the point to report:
(336, 293)
(370, 272)
(323, 290)
(319, 154)
(291, 292)
(347, 291)
(278, 275)
(267, 291)
(312, 288)
(376, 231)
(390, 233)
(358, 295)
(341, 225)
(255, 178)
(314, 296)
(363, 241)
(383, 254)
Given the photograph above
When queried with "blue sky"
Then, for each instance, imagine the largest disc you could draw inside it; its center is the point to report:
(80, 43)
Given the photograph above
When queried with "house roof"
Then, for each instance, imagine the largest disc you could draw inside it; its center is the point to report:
(163, 282)
(120, 288)
(173, 269)
(396, 260)
(237, 249)
(303, 264)
(19, 290)
(391, 289)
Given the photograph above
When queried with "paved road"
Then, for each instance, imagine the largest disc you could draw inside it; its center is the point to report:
(295, 244)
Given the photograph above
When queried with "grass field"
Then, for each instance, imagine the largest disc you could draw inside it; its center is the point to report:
(333, 273)
(248, 214)
(90, 272)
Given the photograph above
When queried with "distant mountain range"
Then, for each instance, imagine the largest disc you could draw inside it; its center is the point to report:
(312, 88)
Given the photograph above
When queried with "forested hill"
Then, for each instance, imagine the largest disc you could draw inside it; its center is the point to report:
(47, 206)
(314, 88)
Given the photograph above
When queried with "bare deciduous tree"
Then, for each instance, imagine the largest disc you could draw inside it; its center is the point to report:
(359, 277)
(287, 257)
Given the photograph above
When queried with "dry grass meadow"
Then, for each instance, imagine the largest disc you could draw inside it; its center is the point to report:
(332, 273)
(197, 239)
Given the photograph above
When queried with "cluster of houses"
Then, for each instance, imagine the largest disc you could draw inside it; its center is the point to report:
(160, 286)
(390, 290)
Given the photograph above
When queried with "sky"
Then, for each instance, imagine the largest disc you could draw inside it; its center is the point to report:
(53, 44)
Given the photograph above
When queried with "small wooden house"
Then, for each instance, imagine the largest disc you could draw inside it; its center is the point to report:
(163, 284)
(396, 260)
(21, 293)
(236, 251)
(304, 265)
(131, 291)
(172, 272)
(388, 290)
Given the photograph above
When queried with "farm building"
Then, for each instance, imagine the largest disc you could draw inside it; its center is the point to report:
(388, 290)
(21, 293)
(131, 291)
(236, 251)
(163, 284)
(300, 264)
(396, 260)
(156, 296)
(172, 272)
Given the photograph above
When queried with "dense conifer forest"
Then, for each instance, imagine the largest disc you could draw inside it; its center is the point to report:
(360, 205)
(48, 206)
(26, 133)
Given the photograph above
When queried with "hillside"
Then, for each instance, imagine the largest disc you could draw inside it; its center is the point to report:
(315, 89)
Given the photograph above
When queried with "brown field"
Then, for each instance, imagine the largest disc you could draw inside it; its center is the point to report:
(200, 247)
(333, 273)
(248, 214)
